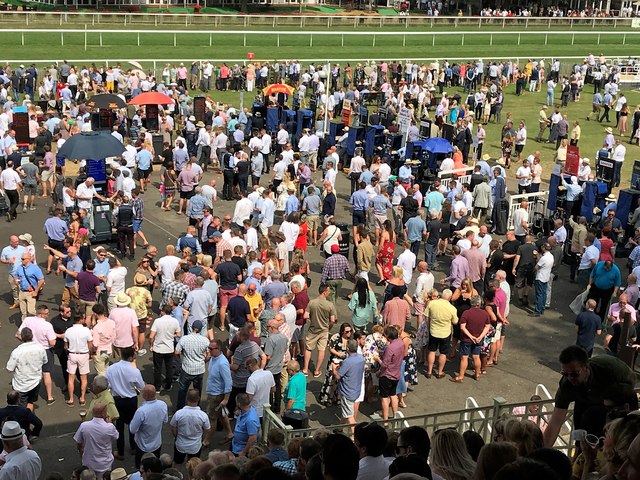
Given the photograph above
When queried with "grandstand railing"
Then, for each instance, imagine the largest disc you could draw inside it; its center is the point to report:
(305, 21)
(463, 176)
(480, 419)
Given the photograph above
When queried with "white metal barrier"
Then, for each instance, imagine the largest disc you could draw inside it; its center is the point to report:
(471, 406)
(537, 204)
(463, 174)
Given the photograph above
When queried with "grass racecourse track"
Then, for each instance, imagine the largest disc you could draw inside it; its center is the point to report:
(154, 48)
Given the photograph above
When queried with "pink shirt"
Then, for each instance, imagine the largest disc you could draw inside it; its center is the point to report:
(614, 311)
(182, 73)
(125, 319)
(42, 330)
(501, 301)
(104, 333)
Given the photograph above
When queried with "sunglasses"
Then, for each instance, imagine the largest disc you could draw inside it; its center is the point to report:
(251, 290)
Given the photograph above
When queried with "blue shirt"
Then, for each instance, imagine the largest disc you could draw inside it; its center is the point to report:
(404, 172)
(359, 200)
(573, 190)
(366, 177)
(380, 204)
(292, 205)
(433, 201)
(56, 228)
(415, 228)
(219, 377)
(124, 379)
(247, 424)
(604, 279)
(29, 276)
(73, 265)
(144, 159)
(296, 390)
(351, 373)
(102, 268)
(9, 252)
(180, 157)
(485, 169)
(196, 204)
(146, 425)
(254, 281)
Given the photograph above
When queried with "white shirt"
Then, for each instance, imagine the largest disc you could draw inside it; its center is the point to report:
(10, 179)
(243, 210)
(116, 280)
(283, 137)
(85, 192)
(544, 265)
(447, 164)
(407, 260)
(26, 361)
(77, 338)
(251, 238)
(259, 385)
(484, 246)
(21, 464)
(290, 231)
(330, 176)
(220, 141)
(166, 328)
(384, 172)
(266, 144)
(167, 266)
(424, 283)
(619, 152)
(129, 155)
(519, 216)
(521, 136)
(526, 173)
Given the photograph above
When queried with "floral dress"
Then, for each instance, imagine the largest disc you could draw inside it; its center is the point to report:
(374, 344)
(410, 365)
(329, 390)
(488, 338)
(385, 258)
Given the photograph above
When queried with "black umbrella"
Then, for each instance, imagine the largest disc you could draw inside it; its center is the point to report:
(94, 145)
(106, 101)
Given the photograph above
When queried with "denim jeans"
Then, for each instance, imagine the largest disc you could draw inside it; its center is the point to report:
(541, 295)
(184, 382)
(415, 248)
(430, 255)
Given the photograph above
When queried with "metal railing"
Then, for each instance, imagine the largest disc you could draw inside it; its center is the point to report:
(537, 204)
(312, 20)
(480, 419)
(463, 176)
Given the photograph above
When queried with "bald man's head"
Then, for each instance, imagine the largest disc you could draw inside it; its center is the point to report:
(149, 393)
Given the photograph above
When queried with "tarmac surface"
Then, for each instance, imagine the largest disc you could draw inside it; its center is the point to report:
(529, 357)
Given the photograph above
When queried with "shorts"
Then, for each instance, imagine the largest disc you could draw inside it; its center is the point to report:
(379, 221)
(440, 344)
(498, 334)
(317, 341)
(524, 277)
(468, 348)
(29, 397)
(313, 222)
(186, 195)
(519, 148)
(57, 245)
(387, 387)
(347, 407)
(297, 334)
(79, 362)
(30, 189)
(359, 216)
(142, 173)
(142, 325)
(225, 296)
(48, 367)
(137, 226)
(46, 175)
(213, 401)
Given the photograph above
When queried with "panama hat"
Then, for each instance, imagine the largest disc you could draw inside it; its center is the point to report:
(200, 124)
(123, 300)
(611, 198)
(119, 474)
(608, 130)
(139, 279)
(486, 157)
(585, 160)
(11, 430)
(26, 237)
(192, 118)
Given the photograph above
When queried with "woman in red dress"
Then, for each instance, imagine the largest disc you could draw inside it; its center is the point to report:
(384, 259)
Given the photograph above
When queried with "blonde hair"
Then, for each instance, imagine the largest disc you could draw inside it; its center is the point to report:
(525, 434)
(397, 272)
(493, 456)
(206, 261)
(449, 456)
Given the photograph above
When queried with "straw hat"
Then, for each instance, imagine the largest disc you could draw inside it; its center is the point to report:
(486, 157)
(200, 124)
(123, 300)
(119, 474)
(139, 280)
(608, 130)
(26, 237)
(611, 198)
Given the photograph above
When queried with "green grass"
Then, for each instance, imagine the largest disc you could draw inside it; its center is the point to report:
(220, 45)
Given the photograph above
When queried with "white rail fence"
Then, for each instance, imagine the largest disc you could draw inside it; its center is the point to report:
(257, 37)
(302, 21)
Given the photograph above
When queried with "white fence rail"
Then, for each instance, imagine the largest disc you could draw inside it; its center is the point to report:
(259, 38)
(537, 204)
(302, 21)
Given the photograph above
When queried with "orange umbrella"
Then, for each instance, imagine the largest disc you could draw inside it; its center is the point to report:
(278, 88)
(151, 98)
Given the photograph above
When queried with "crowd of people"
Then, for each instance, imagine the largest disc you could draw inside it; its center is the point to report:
(245, 267)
